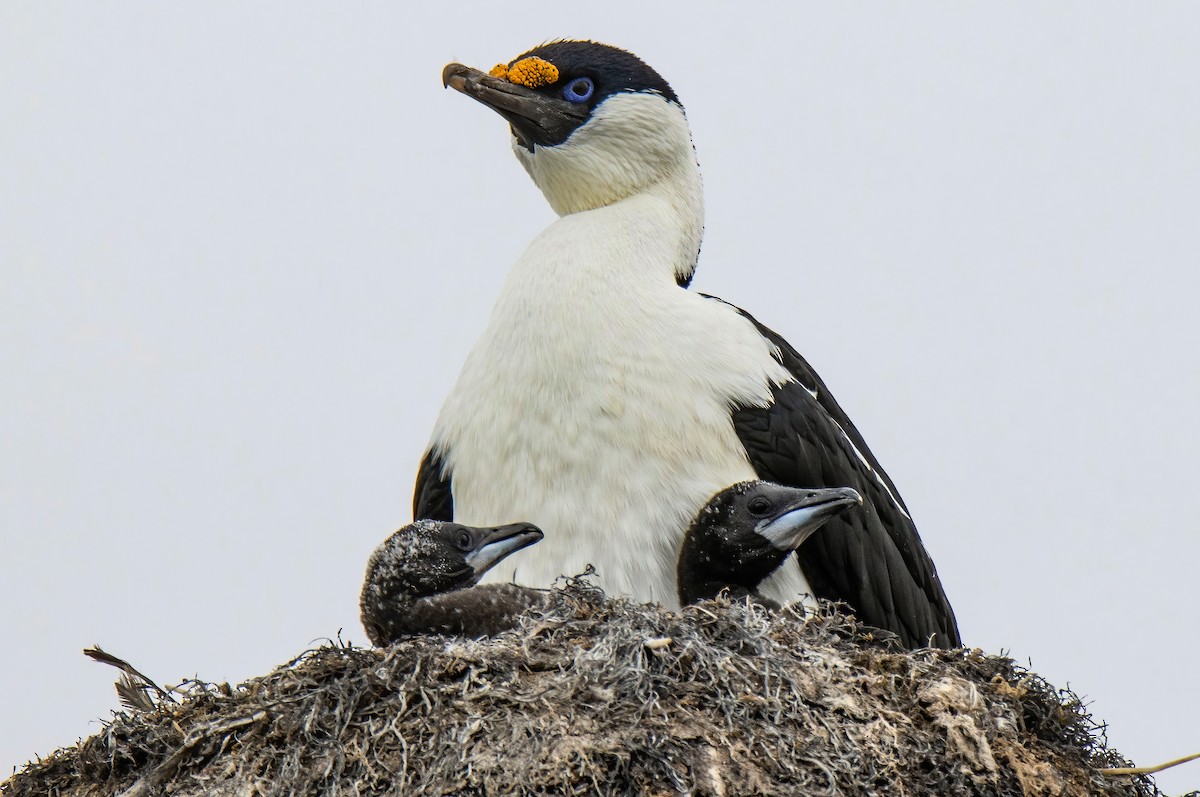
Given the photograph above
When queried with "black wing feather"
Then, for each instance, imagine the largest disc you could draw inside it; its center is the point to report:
(870, 558)
(432, 498)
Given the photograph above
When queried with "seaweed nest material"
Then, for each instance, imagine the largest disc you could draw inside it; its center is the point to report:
(604, 696)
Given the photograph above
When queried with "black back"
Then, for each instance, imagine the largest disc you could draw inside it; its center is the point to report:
(870, 557)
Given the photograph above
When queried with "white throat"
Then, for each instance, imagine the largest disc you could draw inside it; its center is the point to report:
(634, 143)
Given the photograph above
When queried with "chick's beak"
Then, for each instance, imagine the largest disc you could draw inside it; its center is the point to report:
(798, 518)
(499, 542)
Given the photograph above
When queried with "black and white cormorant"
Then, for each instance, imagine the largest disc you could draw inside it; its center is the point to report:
(606, 402)
(421, 580)
(746, 532)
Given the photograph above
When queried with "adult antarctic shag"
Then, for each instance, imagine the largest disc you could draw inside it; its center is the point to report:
(606, 402)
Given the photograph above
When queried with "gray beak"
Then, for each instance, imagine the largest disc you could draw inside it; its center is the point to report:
(536, 118)
(797, 519)
(499, 543)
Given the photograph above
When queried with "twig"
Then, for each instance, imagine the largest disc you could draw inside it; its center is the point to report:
(1150, 770)
(132, 693)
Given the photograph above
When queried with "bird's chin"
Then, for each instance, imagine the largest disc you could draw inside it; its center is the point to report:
(523, 141)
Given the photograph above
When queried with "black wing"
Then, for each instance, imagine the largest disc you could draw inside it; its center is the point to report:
(870, 558)
(432, 498)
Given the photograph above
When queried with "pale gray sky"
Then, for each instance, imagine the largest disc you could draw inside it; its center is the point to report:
(244, 249)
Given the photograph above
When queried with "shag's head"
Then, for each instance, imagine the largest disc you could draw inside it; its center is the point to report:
(747, 531)
(592, 124)
(427, 558)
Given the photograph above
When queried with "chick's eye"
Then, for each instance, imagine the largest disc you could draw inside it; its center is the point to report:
(579, 90)
(759, 505)
(465, 542)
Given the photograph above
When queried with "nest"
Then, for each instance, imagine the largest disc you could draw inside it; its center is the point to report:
(601, 696)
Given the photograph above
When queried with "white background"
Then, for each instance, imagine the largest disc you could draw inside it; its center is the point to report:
(244, 249)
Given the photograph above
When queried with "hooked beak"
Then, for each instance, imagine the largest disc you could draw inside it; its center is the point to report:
(499, 543)
(536, 119)
(796, 520)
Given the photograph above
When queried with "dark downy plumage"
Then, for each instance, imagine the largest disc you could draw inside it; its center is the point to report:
(422, 579)
(745, 532)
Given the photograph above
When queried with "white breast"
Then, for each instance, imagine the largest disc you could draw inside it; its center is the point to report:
(597, 405)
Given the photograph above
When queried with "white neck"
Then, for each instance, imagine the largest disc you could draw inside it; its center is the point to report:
(633, 146)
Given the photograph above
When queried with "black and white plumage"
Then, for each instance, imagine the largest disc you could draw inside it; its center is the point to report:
(745, 532)
(421, 580)
(606, 402)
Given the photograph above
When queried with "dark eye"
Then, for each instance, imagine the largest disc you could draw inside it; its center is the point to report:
(465, 542)
(579, 90)
(759, 505)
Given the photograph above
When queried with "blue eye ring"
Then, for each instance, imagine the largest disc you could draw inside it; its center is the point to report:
(579, 90)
